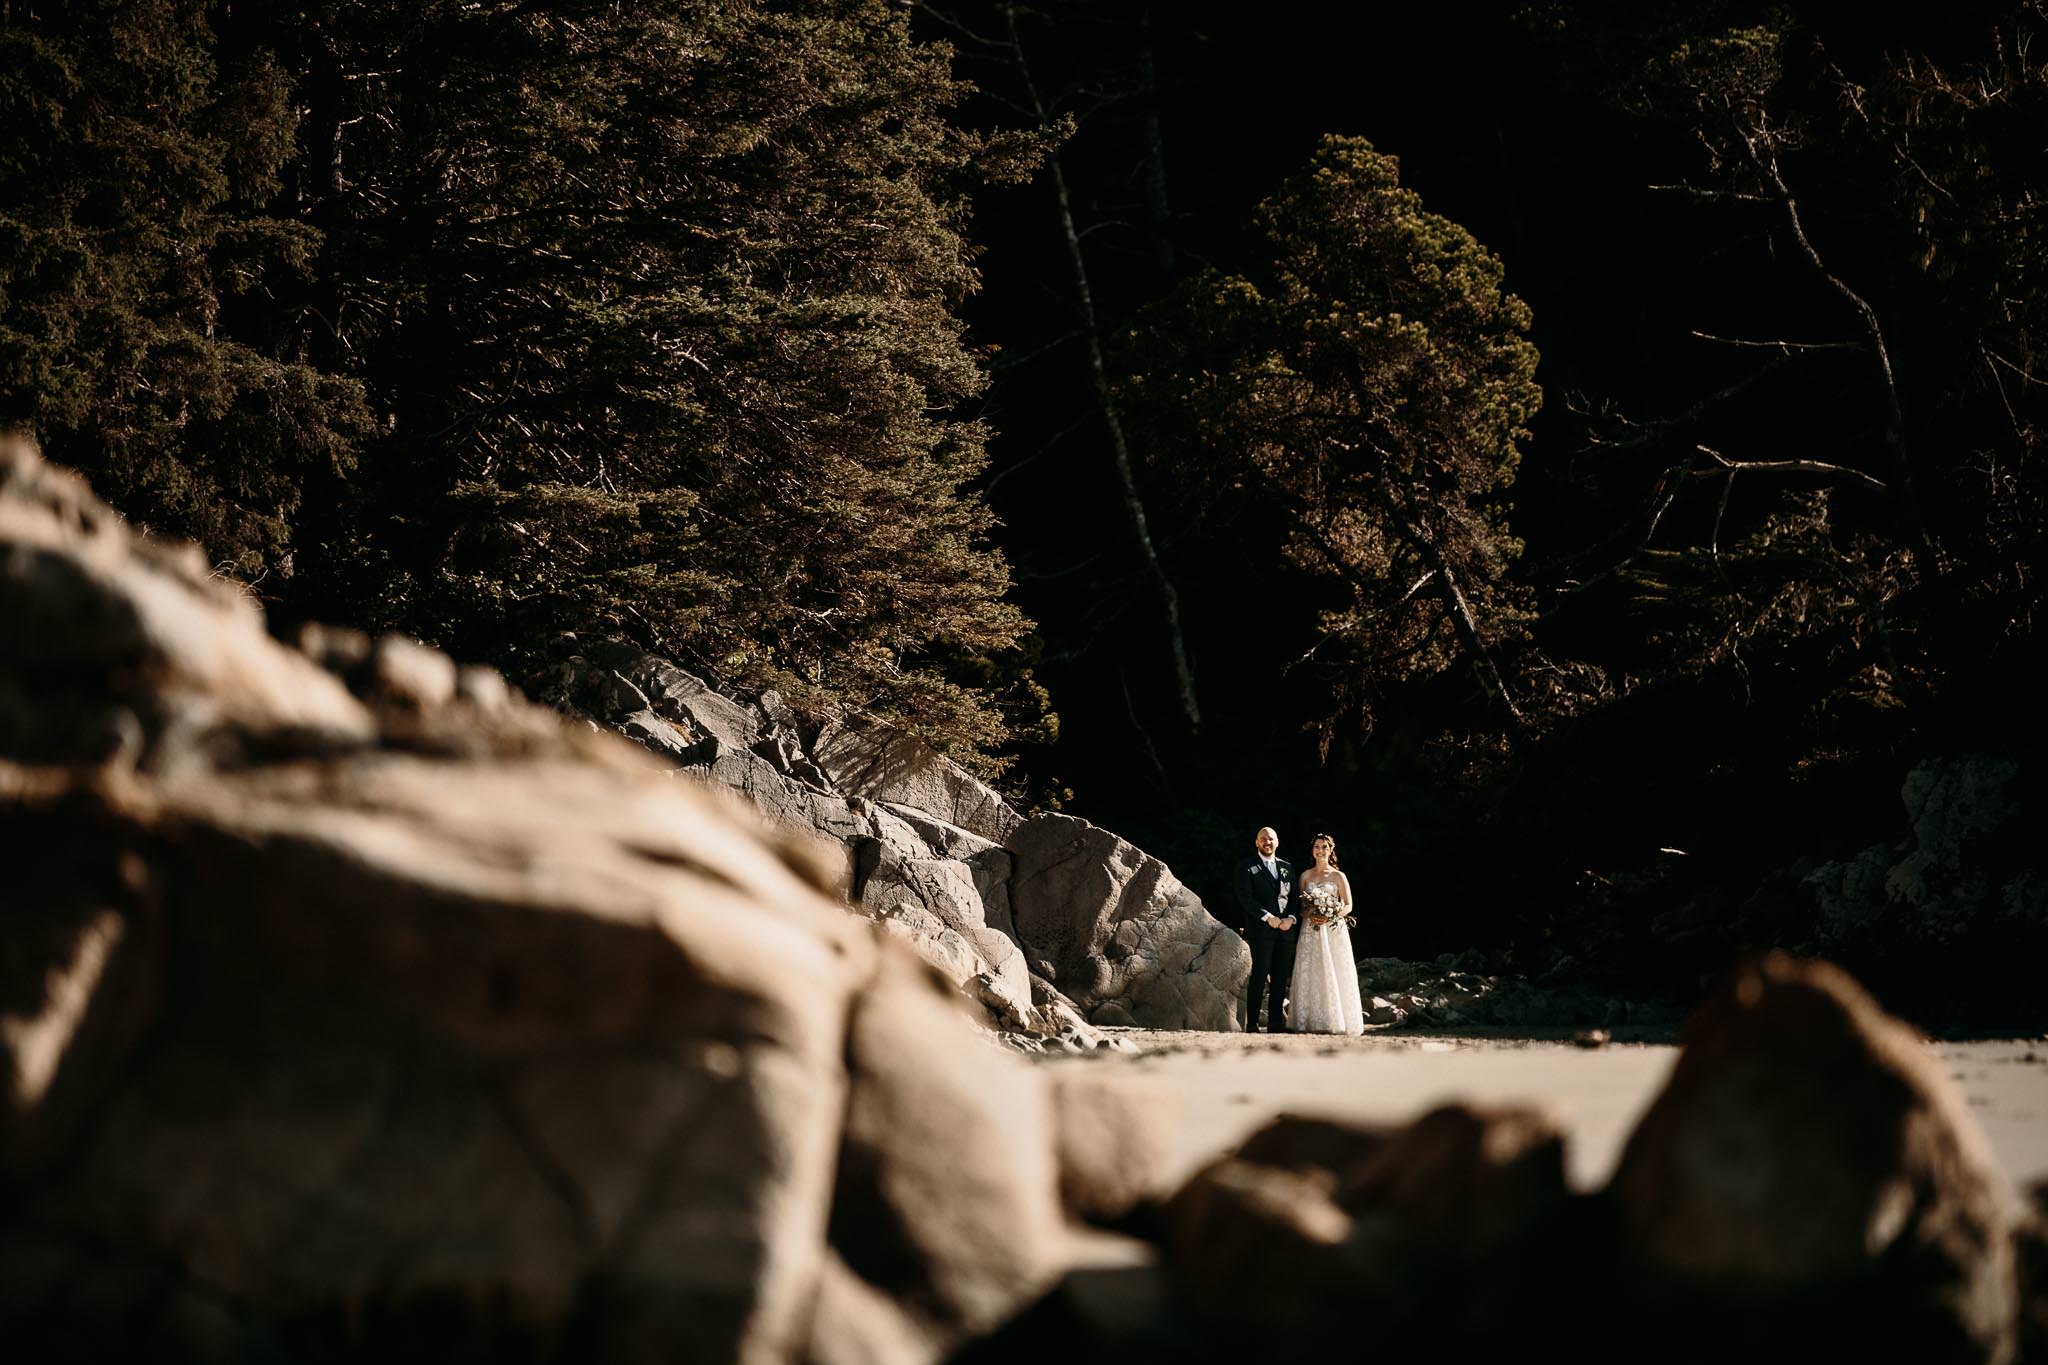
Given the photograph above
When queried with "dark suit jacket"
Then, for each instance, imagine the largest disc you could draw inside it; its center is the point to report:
(1259, 894)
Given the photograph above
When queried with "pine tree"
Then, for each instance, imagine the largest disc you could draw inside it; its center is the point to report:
(658, 302)
(1374, 380)
(136, 250)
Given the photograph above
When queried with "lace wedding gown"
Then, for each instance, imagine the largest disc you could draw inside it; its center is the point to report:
(1324, 997)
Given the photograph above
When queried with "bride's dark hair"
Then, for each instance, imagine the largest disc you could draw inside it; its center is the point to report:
(1333, 847)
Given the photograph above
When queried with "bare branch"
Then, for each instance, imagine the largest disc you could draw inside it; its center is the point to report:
(1011, 362)
(1711, 196)
(1102, 223)
(2012, 418)
(1781, 347)
(1151, 750)
(1853, 95)
(1662, 496)
(1789, 467)
(2024, 374)
(1905, 502)
(1654, 429)
(1721, 511)
(954, 23)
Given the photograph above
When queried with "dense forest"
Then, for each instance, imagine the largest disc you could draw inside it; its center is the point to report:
(1580, 454)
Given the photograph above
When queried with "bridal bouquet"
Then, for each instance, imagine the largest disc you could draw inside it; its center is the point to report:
(1324, 901)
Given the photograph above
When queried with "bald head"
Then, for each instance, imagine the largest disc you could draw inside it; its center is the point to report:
(1265, 841)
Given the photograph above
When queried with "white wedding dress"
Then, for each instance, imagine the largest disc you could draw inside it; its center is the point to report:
(1324, 997)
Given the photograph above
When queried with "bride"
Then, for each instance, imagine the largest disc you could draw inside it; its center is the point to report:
(1324, 997)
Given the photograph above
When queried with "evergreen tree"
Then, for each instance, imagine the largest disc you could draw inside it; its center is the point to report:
(634, 319)
(1373, 379)
(658, 302)
(136, 250)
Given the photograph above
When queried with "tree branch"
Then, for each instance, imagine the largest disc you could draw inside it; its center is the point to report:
(1788, 467)
(1781, 347)
(1904, 497)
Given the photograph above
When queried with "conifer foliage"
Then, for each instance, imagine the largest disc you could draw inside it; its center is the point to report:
(1373, 379)
(647, 314)
(136, 181)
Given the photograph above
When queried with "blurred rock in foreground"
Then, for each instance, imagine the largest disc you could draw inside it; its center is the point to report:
(1808, 1161)
(1807, 1187)
(355, 1009)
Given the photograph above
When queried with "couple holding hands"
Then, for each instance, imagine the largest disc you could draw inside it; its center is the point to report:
(1299, 931)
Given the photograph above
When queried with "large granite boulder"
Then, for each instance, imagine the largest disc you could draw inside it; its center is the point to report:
(1809, 1175)
(1118, 934)
(354, 1008)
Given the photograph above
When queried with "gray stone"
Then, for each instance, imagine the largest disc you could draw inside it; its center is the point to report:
(948, 1196)
(933, 903)
(1126, 940)
(656, 735)
(941, 889)
(866, 757)
(679, 695)
(95, 619)
(1966, 862)
(942, 840)
(482, 687)
(409, 672)
(1116, 1145)
(781, 797)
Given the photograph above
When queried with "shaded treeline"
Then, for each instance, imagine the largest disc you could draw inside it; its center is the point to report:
(486, 321)
(1775, 533)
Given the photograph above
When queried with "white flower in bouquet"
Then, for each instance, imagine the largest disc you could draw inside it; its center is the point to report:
(1324, 901)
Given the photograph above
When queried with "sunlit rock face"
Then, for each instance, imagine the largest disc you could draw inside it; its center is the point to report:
(1119, 934)
(1050, 925)
(352, 1005)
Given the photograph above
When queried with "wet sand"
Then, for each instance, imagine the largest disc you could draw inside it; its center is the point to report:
(1221, 1086)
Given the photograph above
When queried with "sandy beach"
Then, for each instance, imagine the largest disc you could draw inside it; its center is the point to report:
(1222, 1086)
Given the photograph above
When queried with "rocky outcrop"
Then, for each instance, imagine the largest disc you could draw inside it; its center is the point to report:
(1808, 1160)
(1457, 991)
(867, 758)
(1052, 927)
(1968, 864)
(354, 1008)
(1113, 928)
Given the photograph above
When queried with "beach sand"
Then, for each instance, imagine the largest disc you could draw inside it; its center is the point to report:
(1221, 1086)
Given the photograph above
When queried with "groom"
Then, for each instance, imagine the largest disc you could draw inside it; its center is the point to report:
(1265, 886)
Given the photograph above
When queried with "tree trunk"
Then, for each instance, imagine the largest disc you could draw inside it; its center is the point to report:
(1084, 296)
